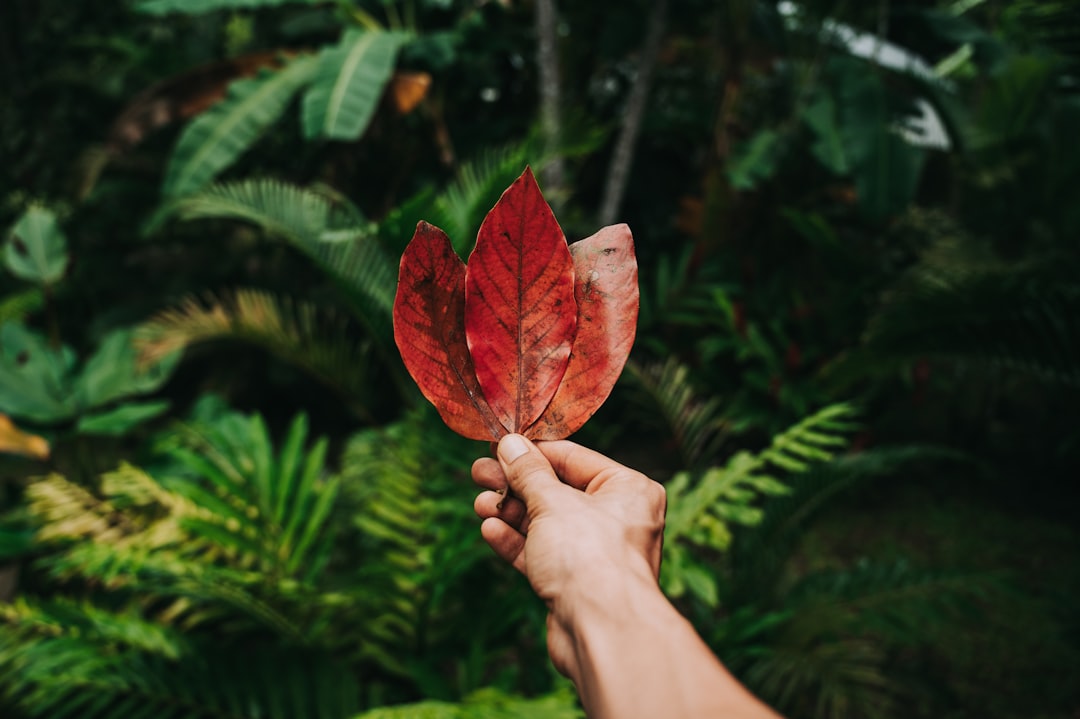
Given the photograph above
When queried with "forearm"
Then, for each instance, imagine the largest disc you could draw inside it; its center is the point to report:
(636, 656)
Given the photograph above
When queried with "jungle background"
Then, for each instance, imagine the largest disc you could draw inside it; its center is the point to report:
(856, 368)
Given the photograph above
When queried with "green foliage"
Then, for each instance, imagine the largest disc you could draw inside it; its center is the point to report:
(696, 426)
(296, 332)
(322, 225)
(348, 83)
(217, 137)
(486, 704)
(1016, 318)
(46, 385)
(703, 506)
(35, 248)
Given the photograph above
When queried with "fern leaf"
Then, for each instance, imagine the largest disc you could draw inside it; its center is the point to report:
(703, 505)
(348, 83)
(217, 137)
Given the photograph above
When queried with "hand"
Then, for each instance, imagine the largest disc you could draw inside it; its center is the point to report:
(582, 528)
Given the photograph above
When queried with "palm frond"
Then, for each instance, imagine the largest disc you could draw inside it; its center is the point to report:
(295, 331)
(262, 510)
(320, 223)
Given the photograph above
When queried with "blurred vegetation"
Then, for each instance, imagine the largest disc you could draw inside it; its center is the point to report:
(856, 369)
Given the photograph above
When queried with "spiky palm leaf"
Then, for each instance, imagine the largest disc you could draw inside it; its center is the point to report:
(321, 224)
(295, 331)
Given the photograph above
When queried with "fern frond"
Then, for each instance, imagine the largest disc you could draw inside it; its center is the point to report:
(760, 553)
(69, 674)
(295, 331)
(703, 506)
(697, 427)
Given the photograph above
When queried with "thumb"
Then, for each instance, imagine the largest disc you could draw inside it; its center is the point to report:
(527, 470)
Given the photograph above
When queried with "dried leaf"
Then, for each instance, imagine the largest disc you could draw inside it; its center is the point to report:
(606, 291)
(429, 328)
(520, 315)
(531, 336)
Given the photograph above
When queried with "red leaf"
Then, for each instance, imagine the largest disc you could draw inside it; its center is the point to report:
(429, 328)
(606, 291)
(520, 314)
(532, 335)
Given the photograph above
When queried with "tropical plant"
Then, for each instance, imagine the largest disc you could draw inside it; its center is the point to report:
(344, 582)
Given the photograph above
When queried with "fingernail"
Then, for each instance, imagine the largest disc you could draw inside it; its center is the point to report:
(511, 447)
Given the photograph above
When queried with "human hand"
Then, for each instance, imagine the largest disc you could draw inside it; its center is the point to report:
(584, 529)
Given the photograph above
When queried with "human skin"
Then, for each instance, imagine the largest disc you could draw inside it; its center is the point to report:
(588, 532)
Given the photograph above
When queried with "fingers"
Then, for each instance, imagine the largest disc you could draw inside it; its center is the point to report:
(581, 467)
(527, 471)
(487, 473)
(507, 542)
(508, 509)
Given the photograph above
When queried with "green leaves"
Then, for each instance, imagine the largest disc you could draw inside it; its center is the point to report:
(217, 137)
(41, 383)
(35, 248)
(348, 83)
(344, 85)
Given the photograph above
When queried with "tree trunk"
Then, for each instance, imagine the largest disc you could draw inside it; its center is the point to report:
(622, 157)
(547, 61)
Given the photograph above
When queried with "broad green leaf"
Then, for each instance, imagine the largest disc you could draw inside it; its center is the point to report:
(113, 372)
(194, 7)
(221, 134)
(348, 84)
(35, 379)
(36, 249)
(828, 147)
(115, 422)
